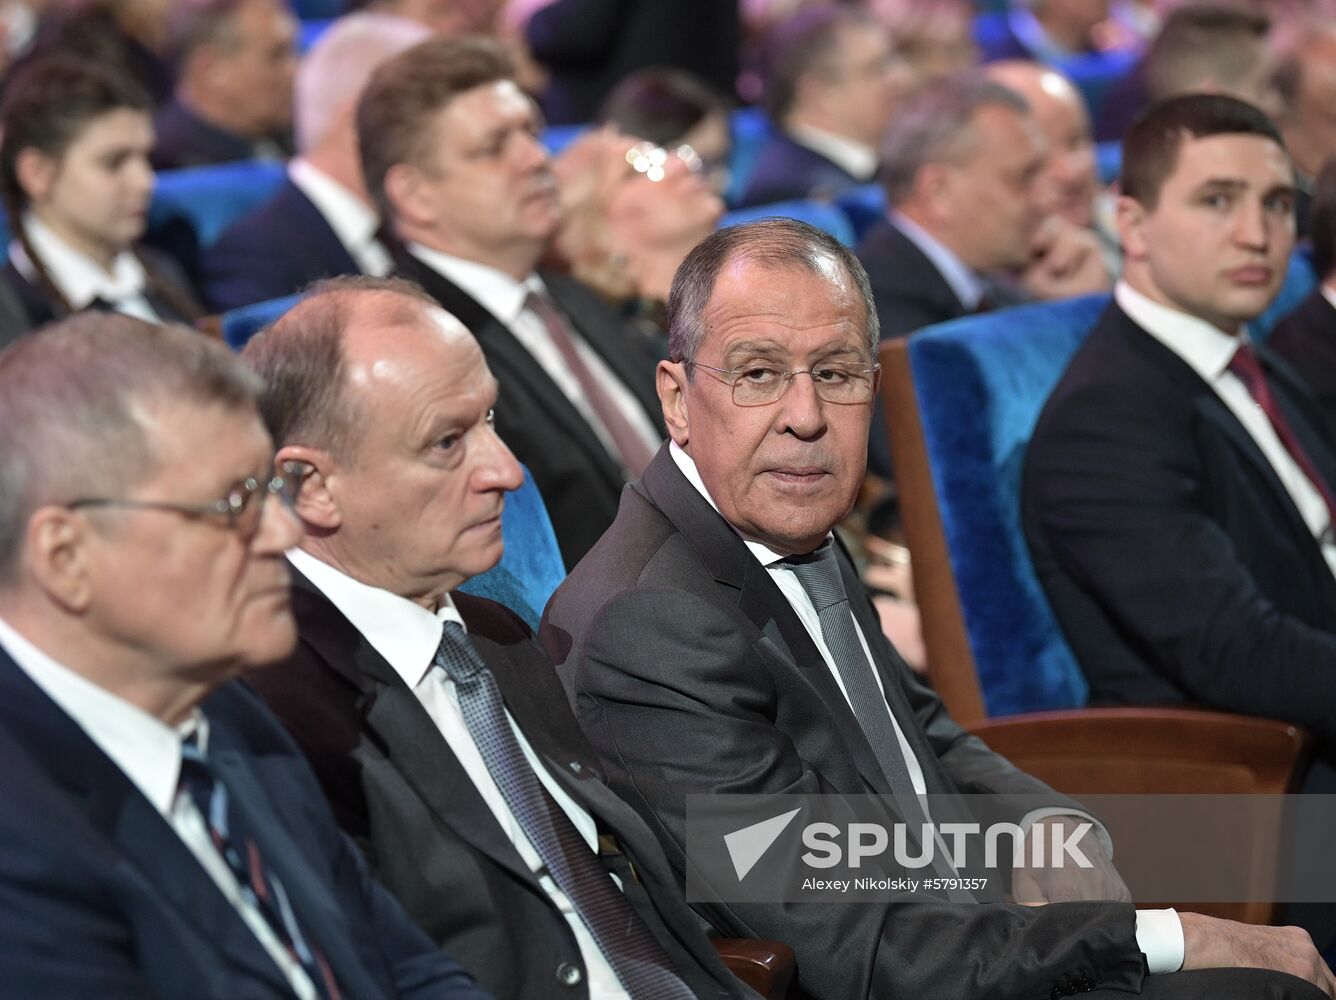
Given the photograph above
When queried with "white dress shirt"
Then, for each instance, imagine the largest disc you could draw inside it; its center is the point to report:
(968, 287)
(503, 297)
(1159, 933)
(407, 635)
(148, 751)
(79, 278)
(1207, 350)
(353, 221)
(848, 154)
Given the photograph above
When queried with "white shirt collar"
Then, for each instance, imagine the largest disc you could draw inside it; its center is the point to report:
(146, 749)
(766, 555)
(493, 289)
(968, 286)
(1329, 293)
(851, 156)
(1203, 346)
(404, 633)
(353, 221)
(79, 279)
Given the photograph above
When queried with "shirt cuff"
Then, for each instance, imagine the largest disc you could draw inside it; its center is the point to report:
(1160, 938)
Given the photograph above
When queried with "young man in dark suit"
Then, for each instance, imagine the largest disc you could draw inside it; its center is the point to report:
(162, 837)
(1178, 489)
(451, 154)
(692, 646)
(435, 721)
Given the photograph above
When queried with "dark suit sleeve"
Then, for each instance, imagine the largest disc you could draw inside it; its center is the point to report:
(1117, 502)
(237, 271)
(574, 31)
(679, 700)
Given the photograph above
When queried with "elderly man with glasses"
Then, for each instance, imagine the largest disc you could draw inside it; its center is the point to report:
(717, 640)
(161, 837)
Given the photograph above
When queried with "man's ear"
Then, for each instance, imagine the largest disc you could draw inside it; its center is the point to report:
(57, 556)
(317, 504)
(1130, 217)
(407, 194)
(670, 380)
(36, 173)
(933, 190)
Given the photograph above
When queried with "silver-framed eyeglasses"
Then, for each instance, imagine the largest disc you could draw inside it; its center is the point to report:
(762, 384)
(241, 508)
(652, 161)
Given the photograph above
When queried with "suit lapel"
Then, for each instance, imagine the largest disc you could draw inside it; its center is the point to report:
(400, 725)
(132, 826)
(318, 237)
(759, 599)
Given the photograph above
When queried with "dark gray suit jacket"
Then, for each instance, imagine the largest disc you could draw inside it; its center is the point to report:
(397, 788)
(691, 673)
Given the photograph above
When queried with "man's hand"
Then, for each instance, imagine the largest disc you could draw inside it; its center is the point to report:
(1211, 943)
(1065, 261)
(1047, 884)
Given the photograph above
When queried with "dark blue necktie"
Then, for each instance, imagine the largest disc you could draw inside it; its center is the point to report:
(261, 888)
(641, 965)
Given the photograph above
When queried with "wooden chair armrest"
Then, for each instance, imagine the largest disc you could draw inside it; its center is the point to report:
(765, 966)
(1150, 750)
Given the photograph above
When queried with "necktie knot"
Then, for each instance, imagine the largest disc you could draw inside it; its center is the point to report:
(819, 574)
(456, 655)
(1247, 368)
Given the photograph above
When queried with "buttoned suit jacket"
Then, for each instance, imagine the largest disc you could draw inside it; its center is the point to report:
(100, 897)
(276, 250)
(690, 672)
(577, 477)
(1306, 341)
(398, 789)
(1176, 563)
(786, 170)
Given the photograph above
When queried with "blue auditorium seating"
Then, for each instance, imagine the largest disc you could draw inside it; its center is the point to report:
(823, 215)
(750, 128)
(239, 325)
(863, 206)
(209, 199)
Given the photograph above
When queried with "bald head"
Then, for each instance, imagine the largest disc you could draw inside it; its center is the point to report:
(1069, 180)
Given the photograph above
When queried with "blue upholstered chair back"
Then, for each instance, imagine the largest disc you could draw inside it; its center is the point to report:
(531, 567)
(981, 383)
(210, 199)
(1300, 279)
(825, 216)
(863, 206)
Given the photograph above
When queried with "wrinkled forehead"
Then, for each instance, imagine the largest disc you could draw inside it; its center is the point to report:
(794, 310)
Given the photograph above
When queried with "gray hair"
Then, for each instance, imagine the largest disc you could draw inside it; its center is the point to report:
(937, 127)
(334, 72)
(300, 357)
(196, 23)
(73, 404)
(775, 244)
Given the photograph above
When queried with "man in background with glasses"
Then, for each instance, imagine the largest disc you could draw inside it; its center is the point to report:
(717, 639)
(451, 153)
(161, 837)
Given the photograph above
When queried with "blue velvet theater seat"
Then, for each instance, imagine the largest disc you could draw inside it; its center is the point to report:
(863, 206)
(209, 199)
(825, 216)
(531, 567)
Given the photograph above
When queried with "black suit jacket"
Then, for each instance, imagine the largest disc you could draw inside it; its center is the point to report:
(590, 45)
(691, 673)
(183, 139)
(786, 170)
(397, 788)
(100, 897)
(276, 250)
(910, 293)
(578, 479)
(36, 308)
(1176, 563)
(1306, 340)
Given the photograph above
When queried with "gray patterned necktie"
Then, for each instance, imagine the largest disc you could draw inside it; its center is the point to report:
(642, 966)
